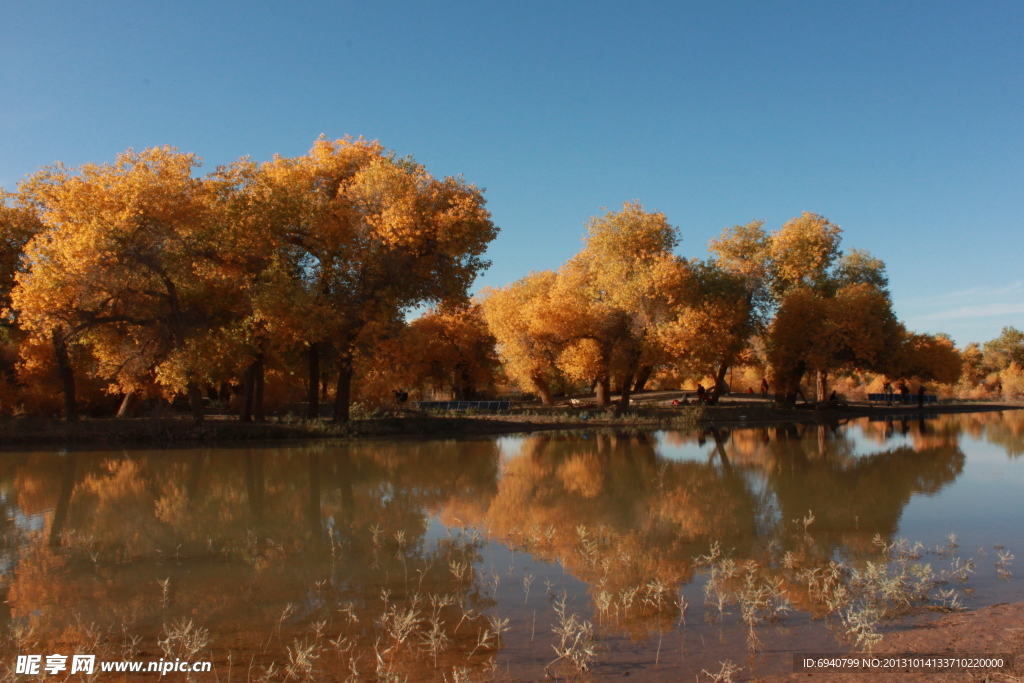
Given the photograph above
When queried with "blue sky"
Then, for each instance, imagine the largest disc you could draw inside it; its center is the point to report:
(901, 122)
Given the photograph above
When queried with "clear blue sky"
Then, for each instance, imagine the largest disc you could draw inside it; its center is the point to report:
(903, 122)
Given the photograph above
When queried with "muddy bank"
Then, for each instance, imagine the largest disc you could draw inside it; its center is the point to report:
(998, 629)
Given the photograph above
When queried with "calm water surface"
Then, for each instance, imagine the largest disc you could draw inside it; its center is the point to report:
(488, 559)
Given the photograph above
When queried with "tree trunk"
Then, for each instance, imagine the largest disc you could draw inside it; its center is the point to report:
(467, 392)
(67, 375)
(343, 396)
(626, 382)
(314, 381)
(719, 387)
(642, 377)
(129, 404)
(822, 386)
(248, 394)
(257, 397)
(195, 401)
(603, 391)
(543, 390)
(458, 387)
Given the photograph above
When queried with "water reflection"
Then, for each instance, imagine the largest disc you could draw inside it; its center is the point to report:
(320, 561)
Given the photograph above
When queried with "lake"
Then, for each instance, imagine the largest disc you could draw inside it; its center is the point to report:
(650, 555)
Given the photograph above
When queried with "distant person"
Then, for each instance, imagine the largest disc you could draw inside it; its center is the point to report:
(764, 388)
(920, 396)
(750, 390)
(904, 392)
(701, 391)
(887, 390)
(832, 397)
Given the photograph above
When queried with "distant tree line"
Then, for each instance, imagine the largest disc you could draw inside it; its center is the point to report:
(627, 309)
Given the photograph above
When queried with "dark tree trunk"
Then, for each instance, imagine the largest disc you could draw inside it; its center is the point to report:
(195, 401)
(258, 409)
(719, 387)
(642, 377)
(248, 394)
(458, 389)
(252, 392)
(129, 404)
(67, 375)
(343, 397)
(626, 382)
(464, 388)
(543, 390)
(604, 391)
(314, 381)
(822, 386)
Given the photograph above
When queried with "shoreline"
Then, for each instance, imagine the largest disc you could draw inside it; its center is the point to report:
(650, 412)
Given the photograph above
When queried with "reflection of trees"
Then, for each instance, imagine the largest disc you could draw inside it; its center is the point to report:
(617, 516)
(852, 496)
(330, 529)
(856, 501)
(1005, 428)
(620, 517)
(242, 533)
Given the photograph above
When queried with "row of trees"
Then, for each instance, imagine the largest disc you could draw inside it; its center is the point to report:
(627, 307)
(143, 278)
(294, 277)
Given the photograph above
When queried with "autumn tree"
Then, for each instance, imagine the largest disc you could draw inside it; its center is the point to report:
(833, 308)
(362, 234)
(733, 302)
(802, 253)
(451, 347)
(930, 358)
(609, 299)
(527, 344)
(855, 329)
(1007, 348)
(18, 224)
(128, 264)
(712, 325)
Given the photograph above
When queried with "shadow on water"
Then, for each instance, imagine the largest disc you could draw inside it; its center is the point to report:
(406, 559)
